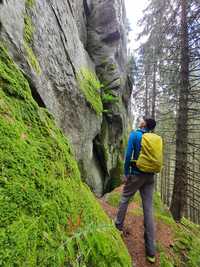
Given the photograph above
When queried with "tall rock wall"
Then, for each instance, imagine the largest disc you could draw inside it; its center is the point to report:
(52, 41)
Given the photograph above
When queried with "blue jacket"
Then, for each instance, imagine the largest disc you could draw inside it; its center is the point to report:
(133, 149)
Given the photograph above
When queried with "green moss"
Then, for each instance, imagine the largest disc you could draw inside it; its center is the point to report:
(113, 199)
(116, 174)
(165, 261)
(104, 140)
(91, 87)
(186, 235)
(109, 98)
(29, 3)
(11, 76)
(32, 60)
(28, 38)
(28, 29)
(106, 151)
(111, 67)
(162, 212)
(187, 243)
(48, 216)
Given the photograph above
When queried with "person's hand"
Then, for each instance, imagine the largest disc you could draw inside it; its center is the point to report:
(124, 179)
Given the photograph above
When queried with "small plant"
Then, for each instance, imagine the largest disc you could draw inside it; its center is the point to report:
(91, 88)
(109, 98)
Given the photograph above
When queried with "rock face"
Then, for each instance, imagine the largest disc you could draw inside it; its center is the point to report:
(52, 41)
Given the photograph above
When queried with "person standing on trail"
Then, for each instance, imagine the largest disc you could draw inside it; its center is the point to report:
(143, 159)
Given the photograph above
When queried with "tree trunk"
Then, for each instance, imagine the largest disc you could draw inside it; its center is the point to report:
(154, 89)
(180, 175)
(146, 95)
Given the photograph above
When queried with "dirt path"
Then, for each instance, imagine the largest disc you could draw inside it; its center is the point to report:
(134, 238)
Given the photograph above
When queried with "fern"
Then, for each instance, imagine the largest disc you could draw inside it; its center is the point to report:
(109, 98)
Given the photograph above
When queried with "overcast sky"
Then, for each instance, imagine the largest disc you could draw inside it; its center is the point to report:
(134, 10)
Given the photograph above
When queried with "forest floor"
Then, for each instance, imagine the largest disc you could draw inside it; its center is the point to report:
(133, 233)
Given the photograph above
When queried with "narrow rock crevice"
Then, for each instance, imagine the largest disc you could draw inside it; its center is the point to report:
(36, 96)
(99, 153)
(86, 8)
(112, 37)
(63, 39)
(70, 7)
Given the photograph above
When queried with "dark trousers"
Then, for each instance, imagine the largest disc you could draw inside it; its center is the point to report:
(145, 184)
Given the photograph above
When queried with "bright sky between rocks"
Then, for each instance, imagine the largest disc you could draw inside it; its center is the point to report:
(134, 10)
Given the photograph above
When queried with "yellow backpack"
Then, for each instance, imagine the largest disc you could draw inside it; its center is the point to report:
(150, 159)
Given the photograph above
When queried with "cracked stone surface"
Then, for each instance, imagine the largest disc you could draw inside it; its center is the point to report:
(67, 36)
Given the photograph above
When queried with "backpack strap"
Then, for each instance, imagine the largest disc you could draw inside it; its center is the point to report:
(143, 131)
(133, 161)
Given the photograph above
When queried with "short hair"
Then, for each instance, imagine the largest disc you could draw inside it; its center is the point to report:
(150, 123)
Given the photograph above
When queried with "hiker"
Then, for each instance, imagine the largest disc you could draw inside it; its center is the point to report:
(146, 149)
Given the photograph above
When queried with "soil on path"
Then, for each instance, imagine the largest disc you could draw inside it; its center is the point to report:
(134, 231)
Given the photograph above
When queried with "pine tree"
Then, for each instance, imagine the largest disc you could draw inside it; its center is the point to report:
(181, 174)
(169, 61)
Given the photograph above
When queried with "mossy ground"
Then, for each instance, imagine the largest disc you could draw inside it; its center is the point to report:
(113, 199)
(185, 247)
(48, 216)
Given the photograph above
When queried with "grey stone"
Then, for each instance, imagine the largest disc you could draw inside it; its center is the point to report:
(69, 35)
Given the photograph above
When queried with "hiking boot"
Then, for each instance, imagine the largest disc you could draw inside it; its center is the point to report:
(151, 259)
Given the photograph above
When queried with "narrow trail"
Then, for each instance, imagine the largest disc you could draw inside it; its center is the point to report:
(134, 234)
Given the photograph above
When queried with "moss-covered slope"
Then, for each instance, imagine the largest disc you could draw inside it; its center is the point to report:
(48, 217)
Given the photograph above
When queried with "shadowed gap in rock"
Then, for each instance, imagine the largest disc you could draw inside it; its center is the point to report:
(99, 154)
(86, 8)
(36, 96)
(112, 37)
